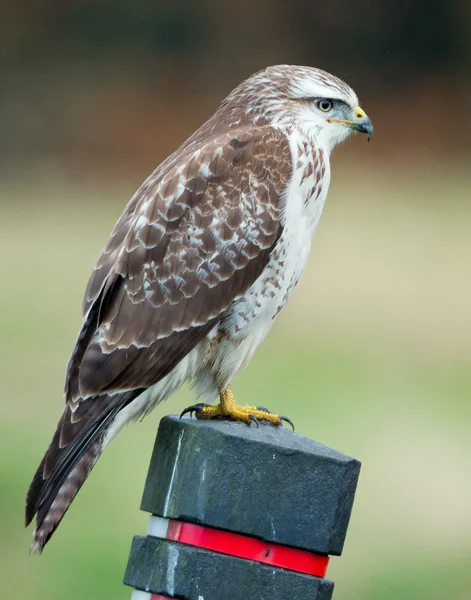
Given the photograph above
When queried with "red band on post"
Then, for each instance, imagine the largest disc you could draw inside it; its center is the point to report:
(249, 548)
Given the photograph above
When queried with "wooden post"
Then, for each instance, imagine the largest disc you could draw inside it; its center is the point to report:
(240, 513)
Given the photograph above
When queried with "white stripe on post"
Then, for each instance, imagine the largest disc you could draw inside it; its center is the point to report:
(157, 527)
(140, 595)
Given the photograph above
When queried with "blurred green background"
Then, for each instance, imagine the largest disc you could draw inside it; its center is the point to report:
(373, 354)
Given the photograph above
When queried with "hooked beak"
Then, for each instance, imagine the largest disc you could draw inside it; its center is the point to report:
(361, 123)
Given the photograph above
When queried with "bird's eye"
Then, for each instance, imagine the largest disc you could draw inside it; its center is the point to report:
(324, 105)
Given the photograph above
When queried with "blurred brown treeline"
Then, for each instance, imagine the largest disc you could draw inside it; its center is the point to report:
(109, 87)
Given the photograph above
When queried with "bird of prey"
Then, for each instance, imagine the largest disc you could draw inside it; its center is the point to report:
(200, 263)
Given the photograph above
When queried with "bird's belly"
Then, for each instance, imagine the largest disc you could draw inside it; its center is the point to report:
(250, 318)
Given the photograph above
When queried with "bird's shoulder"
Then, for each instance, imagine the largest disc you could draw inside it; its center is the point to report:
(215, 183)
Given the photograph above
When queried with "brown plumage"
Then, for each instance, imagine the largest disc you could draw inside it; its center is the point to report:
(203, 258)
(159, 287)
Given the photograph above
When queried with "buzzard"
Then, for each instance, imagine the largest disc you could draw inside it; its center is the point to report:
(200, 263)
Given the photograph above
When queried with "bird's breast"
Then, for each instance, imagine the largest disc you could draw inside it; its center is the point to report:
(250, 317)
(303, 202)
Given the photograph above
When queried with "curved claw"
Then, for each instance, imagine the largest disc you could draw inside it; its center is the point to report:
(195, 408)
(282, 417)
(287, 420)
(254, 419)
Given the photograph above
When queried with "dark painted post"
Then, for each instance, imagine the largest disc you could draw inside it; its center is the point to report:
(240, 513)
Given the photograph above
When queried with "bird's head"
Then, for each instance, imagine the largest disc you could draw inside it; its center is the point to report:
(311, 99)
(325, 103)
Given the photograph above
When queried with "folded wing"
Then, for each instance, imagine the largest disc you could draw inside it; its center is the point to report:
(197, 236)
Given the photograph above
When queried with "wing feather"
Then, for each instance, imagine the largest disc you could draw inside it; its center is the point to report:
(193, 239)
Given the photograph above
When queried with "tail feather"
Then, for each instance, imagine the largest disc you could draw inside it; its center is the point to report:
(49, 518)
(74, 450)
(33, 492)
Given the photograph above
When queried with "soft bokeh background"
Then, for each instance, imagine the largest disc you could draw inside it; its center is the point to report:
(371, 357)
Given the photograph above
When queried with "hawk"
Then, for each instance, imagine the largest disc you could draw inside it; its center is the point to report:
(200, 263)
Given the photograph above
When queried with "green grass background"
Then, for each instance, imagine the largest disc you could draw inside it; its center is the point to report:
(372, 357)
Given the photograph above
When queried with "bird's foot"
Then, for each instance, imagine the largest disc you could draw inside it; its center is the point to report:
(229, 409)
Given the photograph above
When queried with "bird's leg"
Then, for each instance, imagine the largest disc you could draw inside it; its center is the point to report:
(229, 409)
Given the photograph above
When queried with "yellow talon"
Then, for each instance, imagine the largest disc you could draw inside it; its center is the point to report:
(230, 409)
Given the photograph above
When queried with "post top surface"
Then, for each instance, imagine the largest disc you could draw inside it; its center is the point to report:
(284, 439)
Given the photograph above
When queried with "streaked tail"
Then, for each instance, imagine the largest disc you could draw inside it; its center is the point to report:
(75, 448)
(55, 504)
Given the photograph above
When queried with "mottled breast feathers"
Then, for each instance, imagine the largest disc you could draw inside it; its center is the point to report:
(195, 237)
